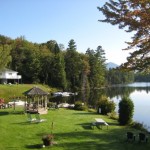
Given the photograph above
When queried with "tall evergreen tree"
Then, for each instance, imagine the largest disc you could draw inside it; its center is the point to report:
(85, 71)
(73, 66)
(72, 46)
(45, 74)
(97, 67)
(34, 65)
(58, 74)
(126, 109)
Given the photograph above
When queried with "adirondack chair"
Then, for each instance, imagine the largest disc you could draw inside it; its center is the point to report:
(130, 136)
(38, 119)
(29, 118)
(143, 138)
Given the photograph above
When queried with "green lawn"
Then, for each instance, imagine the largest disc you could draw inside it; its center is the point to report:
(72, 131)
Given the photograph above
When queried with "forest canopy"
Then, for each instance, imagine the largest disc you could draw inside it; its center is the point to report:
(49, 63)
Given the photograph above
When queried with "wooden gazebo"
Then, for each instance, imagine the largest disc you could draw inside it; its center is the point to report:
(36, 100)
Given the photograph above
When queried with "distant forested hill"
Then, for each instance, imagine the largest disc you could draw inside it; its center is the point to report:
(111, 65)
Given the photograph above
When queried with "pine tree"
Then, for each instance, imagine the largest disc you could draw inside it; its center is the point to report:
(73, 66)
(97, 67)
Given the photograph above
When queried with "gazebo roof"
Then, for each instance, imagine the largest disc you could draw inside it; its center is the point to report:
(35, 91)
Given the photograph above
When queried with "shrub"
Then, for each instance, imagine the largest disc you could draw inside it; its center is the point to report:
(139, 126)
(79, 106)
(105, 105)
(126, 109)
(51, 105)
(113, 115)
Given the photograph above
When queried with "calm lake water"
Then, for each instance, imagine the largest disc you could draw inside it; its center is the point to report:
(138, 92)
(141, 99)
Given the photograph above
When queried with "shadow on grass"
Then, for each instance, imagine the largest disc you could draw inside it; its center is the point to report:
(4, 113)
(86, 126)
(16, 112)
(34, 146)
(114, 139)
(91, 140)
(28, 123)
(113, 123)
(23, 123)
(85, 113)
(89, 126)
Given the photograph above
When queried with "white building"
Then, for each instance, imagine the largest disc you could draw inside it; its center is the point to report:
(9, 76)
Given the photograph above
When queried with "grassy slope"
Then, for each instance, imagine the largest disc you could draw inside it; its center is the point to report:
(71, 131)
(9, 91)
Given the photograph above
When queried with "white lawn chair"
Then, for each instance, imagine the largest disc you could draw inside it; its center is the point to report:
(38, 119)
(30, 119)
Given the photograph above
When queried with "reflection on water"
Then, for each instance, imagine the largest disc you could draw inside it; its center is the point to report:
(141, 106)
(137, 84)
(138, 92)
(140, 95)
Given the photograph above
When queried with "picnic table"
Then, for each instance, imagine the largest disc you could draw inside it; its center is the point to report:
(100, 122)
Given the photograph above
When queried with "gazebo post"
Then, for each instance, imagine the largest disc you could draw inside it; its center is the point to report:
(38, 102)
(46, 102)
(42, 101)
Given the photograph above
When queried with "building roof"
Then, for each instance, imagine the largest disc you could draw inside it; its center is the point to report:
(35, 91)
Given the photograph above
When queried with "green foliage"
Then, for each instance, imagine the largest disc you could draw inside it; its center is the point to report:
(105, 105)
(126, 109)
(5, 48)
(79, 105)
(51, 105)
(71, 45)
(85, 70)
(117, 76)
(45, 74)
(51, 45)
(113, 115)
(73, 65)
(97, 67)
(57, 72)
(50, 64)
(26, 60)
(138, 126)
(140, 77)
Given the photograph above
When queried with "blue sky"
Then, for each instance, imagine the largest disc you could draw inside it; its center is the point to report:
(62, 20)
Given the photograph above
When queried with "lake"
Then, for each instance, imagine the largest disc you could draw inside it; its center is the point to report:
(141, 99)
(138, 92)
